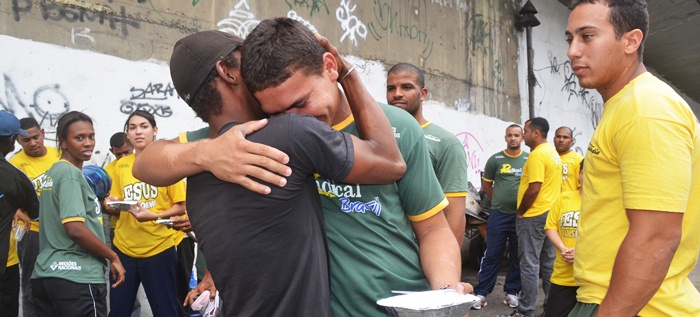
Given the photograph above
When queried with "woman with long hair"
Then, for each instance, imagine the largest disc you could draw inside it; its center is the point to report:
(145, 247)
(69, 276)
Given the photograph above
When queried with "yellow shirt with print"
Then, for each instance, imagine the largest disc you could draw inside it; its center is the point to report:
(544, 166)
(35, 168)
(644, 154)
(143, 239)
(570, 169)
(110, 171)
(563, 217)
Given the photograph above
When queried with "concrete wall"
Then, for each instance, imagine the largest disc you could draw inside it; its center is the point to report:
(109, 57)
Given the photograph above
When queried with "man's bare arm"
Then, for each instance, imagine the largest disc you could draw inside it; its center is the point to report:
(642, 261)
(488, 188)
(439, 253)
(230, 157)
(456, 219)
(377, 156)
(533, 189)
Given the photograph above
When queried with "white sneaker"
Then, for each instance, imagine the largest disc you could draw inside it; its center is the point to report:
(480, 303)
(511, 300)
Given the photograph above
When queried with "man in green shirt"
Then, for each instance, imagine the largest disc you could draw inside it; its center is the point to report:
(501, 180)
(405, 89)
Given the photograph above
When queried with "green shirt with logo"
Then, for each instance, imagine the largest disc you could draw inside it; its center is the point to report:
(448, 159)
(67, 197)
(505, 172)
(372, 246)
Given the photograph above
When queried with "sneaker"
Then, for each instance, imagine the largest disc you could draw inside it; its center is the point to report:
(511, 300)
(480, 303)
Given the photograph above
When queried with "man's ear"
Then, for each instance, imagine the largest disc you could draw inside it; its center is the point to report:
(225, 73)
(633, 41)
(330, 65)
(423, 93)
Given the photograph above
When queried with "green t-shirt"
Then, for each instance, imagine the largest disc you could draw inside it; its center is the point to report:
(448, 158)
(372, 245)
(68, 197)
(505, 171)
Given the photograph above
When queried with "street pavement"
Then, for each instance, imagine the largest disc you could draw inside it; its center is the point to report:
(496, 308)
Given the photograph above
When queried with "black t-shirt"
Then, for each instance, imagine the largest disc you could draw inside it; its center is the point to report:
(268, 253)
(16, 191)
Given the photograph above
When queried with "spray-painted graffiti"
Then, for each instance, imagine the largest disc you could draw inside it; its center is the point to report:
(498, 73)
(460, 5)
(463, 104)
(574, 90)
(240, 20)
(577, 135)
(480, 35)
(405, 18)
(350, 23)
(81, 32)
(474, 151)
(293, 15)
(76, 11)
(141, 97)
(314, 6)
(48, 103)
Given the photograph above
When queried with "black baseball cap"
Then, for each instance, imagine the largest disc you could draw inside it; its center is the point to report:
(195, 56)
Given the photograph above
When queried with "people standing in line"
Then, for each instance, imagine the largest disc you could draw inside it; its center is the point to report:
(69, 276)
(561, 230)
(34, 160)
(405, 89)
(539, 187)
(640, 212)
(146, 248)
(501, 180)
(17, 194)
(570, 160)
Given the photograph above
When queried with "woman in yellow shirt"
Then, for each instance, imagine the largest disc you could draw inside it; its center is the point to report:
(145, 247)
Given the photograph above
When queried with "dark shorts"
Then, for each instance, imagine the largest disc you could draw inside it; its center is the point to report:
(561, 300)
(58, 297)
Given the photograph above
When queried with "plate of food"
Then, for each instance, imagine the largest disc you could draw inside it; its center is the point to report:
(122, 205)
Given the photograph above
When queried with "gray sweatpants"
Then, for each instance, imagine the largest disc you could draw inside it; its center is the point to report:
(536, 256)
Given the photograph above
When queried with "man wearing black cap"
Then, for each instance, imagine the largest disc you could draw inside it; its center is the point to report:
(16, 190)
(267, 253)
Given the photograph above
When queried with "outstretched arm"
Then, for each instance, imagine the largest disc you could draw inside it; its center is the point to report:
(163, 163)
(377, 156)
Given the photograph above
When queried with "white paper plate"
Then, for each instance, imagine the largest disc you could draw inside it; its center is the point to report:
(427, 300)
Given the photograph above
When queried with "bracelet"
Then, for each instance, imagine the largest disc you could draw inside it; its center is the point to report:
(346, 74)
(444, 287)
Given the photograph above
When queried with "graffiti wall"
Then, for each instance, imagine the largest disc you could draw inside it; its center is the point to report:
(48, 80)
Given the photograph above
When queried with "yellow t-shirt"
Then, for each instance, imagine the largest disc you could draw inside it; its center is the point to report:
(12, 258)
(544, 166)
(570, 169)
(110, 171)
(563, 217)
(143, 239)
(35, 168)
(644, 154)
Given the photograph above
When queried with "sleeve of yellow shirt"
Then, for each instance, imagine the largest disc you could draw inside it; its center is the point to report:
(655, 177)
(536, 168)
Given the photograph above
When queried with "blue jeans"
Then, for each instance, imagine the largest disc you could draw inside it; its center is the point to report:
(157, 274)
(500, 229)
(536, 256)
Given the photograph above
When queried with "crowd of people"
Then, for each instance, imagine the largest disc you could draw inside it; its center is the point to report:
(312, 200)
